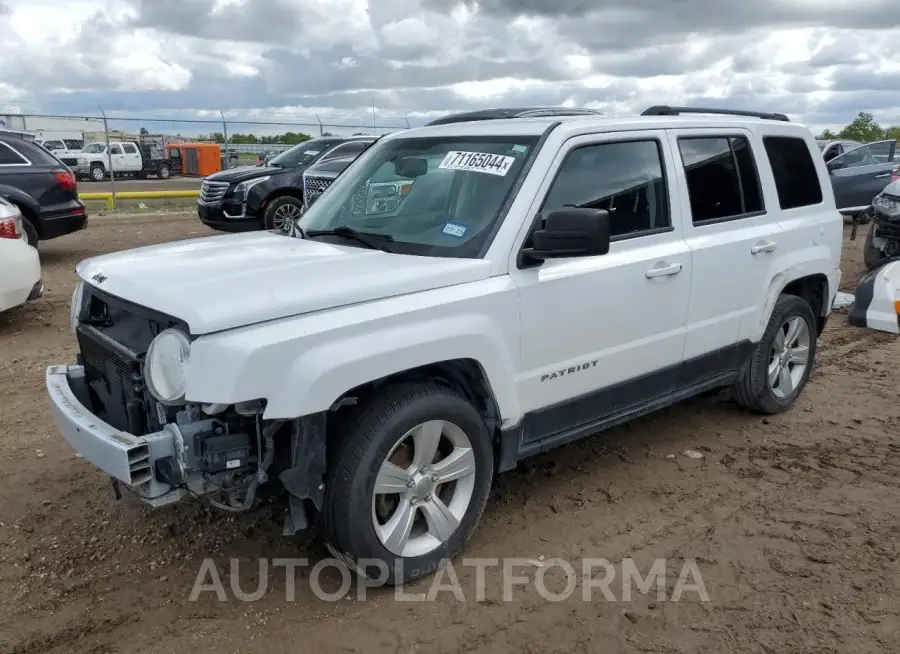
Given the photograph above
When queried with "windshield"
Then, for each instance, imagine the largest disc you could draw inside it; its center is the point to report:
(95, 147)
(301, 154)
(432, 196)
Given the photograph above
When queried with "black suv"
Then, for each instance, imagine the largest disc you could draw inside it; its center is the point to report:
(43, 188)
(269, 195)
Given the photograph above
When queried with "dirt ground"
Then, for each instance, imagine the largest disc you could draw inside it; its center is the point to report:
(792, 522)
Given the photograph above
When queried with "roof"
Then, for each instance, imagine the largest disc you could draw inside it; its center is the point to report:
(537, 126)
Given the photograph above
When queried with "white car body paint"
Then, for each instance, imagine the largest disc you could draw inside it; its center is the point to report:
(300, 323)
(20, 266)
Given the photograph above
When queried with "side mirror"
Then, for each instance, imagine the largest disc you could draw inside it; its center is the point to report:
(834, 164)
(571, 232)
(411, 167)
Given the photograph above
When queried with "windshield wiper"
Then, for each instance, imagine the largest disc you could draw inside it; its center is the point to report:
(373, 241)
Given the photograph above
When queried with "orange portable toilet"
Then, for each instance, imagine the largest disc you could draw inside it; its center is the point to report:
(195, 159)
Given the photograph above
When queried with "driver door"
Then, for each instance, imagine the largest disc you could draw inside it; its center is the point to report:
(602, 335)
(862, 173)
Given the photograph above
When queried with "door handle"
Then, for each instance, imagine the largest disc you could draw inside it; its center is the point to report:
(763, 247)
(879, 176)
(662, 269)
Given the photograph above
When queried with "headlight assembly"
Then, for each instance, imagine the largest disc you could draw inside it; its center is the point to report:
(165, 366)
(886, 205)
(244, 187)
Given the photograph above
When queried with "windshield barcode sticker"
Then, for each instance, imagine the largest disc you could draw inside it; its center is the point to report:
(479, 162)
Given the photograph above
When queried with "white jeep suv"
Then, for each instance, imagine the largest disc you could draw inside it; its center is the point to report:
(462, 297)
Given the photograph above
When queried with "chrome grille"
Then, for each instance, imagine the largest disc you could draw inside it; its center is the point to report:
(212, 191)
(69, 161)
(313, 187)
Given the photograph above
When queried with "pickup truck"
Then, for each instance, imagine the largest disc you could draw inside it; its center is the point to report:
(128, 158)
(512, 286)
(66, 150)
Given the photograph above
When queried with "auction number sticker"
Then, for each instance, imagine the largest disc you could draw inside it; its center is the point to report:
(479, 162)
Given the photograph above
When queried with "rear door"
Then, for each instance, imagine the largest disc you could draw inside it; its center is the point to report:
(732, 236)
(860, 174)
(132, 157)
(117, 157)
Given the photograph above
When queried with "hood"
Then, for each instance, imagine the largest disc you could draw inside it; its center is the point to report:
(222, 282)
(245, 172)
(892, 189)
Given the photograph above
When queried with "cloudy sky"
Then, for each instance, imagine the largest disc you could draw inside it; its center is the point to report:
(820, 61)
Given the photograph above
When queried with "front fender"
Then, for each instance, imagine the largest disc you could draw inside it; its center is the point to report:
(302, 365)
(320, 376)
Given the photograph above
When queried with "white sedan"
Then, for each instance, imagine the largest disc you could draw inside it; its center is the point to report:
(20, 267)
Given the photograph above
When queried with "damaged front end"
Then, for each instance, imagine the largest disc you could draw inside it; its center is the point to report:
(122, 408)
(883, 239)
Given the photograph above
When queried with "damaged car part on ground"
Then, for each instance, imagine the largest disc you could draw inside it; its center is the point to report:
(440, 332)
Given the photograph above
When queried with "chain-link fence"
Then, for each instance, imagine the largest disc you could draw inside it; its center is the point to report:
(241, 140)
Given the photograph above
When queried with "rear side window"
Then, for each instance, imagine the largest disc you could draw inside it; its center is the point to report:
(9, 157)
(796, 179)
(722, 179)
(129, 148)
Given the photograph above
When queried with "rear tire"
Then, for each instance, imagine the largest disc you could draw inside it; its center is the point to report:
(783, 359)
(387, 440)
(164, 172)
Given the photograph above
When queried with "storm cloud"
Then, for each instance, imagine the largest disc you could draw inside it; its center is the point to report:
(820, 61)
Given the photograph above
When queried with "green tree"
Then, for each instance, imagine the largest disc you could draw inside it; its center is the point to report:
(863, 128)
(827, 135)
(892, 132)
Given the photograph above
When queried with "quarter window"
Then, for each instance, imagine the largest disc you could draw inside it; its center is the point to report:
(625, 178)
(9, 157)
(722, 179)
(796, 179)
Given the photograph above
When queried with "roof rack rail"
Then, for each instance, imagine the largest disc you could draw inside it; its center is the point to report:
(665, 110)
(558, 111)
(511, 112)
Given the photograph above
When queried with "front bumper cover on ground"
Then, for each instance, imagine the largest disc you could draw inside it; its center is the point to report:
(876, 302)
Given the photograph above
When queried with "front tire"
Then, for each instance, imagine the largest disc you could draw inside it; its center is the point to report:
(283, 213)
(408, 483)
(782, 361)
(98, 173)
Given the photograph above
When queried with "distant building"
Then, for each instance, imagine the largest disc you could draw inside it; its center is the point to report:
(44, 127)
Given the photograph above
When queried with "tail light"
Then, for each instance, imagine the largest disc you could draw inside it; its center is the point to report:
(65, 179)
(11, 227)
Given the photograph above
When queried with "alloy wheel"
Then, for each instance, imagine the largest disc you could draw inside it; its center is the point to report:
(423, 489)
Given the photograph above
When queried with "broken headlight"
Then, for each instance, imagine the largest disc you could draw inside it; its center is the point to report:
(887, 205)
